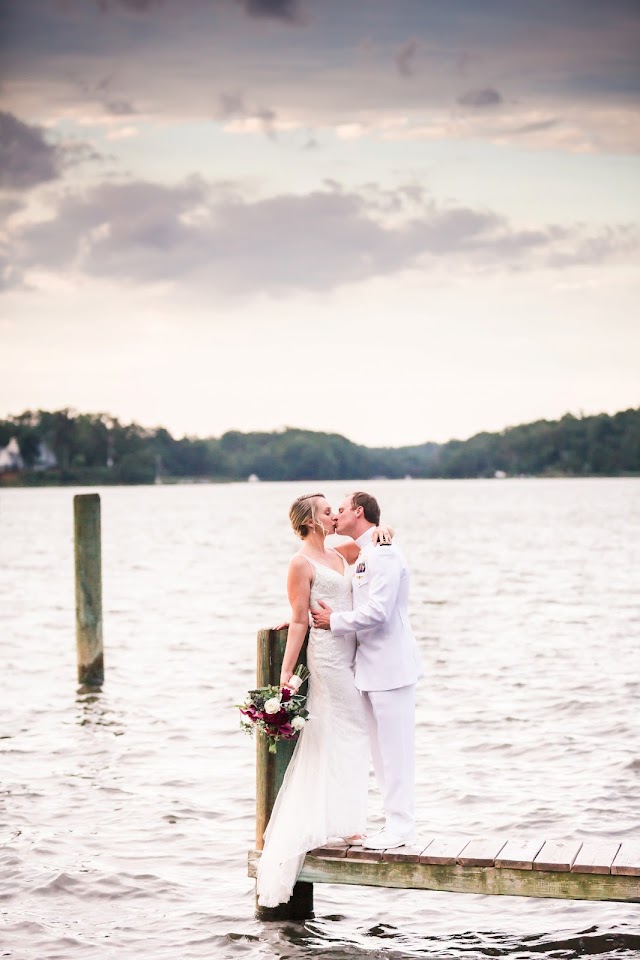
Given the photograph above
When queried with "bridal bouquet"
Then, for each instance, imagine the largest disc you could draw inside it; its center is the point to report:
(277, 714)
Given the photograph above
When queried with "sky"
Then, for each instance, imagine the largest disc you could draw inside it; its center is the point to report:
(397, 220)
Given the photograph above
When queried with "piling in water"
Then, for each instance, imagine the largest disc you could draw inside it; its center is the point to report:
(88, 568)
(270, 771)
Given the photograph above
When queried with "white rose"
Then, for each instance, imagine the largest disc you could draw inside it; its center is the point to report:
(273, 705)
(298, 723)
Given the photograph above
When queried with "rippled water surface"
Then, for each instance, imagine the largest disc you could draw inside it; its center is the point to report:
(126, 815)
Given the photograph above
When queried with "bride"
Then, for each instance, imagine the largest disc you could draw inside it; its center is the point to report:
(324, 791)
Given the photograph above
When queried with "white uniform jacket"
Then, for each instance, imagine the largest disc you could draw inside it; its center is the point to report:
(387, 654)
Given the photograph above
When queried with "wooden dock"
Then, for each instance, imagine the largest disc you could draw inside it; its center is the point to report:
(508, 866)
(563, 869)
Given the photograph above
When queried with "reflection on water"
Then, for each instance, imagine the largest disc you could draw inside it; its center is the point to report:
(328, 938)
(94, 710)
(126, 813)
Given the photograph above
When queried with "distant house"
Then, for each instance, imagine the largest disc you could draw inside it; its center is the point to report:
(46, 458)
(10, 457)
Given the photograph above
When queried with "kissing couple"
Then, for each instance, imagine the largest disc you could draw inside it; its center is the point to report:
(364, 664)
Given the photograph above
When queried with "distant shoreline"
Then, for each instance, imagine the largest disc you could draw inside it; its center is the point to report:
(217, 481)
(65, 448)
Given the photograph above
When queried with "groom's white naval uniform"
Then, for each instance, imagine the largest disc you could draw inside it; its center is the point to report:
(386, 670)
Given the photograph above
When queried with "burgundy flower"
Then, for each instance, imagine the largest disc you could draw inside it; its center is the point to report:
(277, 719)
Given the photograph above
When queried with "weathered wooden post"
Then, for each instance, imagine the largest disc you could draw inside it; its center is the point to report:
(88, 564)
(270, 770)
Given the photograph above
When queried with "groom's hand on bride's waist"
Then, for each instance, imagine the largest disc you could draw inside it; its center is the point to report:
(321, 615)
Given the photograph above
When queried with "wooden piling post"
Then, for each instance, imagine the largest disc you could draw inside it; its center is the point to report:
(88, 568)
(270, 771)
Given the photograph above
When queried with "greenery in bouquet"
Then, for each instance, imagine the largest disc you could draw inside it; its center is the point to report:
(277, 714)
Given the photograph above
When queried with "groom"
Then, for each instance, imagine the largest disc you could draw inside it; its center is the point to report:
(387, 663)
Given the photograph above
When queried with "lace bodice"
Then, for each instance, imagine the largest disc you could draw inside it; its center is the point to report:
(334, 589)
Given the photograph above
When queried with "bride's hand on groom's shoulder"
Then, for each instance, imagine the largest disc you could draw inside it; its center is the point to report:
(382, 534)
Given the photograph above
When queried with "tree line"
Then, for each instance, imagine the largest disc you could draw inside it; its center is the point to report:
(98, 449)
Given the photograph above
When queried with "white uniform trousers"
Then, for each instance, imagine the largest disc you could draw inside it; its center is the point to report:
(391, 720)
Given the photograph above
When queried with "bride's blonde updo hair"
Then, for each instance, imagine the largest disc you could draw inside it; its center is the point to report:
(303, 513)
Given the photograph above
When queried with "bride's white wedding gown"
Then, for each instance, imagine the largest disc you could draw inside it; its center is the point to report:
(324, 792)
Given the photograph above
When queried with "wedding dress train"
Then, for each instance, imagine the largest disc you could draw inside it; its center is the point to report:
(324, 791)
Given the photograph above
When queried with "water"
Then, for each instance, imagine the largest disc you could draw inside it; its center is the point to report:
(126, 815)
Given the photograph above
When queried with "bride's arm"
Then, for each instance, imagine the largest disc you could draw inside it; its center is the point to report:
(299, 590)
(350, 549)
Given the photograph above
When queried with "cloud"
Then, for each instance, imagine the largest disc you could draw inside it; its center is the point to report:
(119, 108)
(405, 58)
(9, 273)
(210, 235)
(233, 107)
(138, 6)
(9, 206)
(170, 59)
(572, 129)
(101, 91)
(122, 133)
(488, 97)
(536, 126)
(26, 159)
(286, 10)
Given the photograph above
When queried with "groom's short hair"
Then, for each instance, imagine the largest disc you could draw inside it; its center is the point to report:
(369, 505)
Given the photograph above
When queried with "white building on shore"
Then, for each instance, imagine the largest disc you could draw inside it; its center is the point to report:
(10, 457)
(46, 458)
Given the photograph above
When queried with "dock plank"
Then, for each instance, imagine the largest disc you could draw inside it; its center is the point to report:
(557, 855)
(480, 853)
(519, 853)
(330, 850)
(444, 850)
(410, 853)
(595, 856)
(361, 853)
(627, 859)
